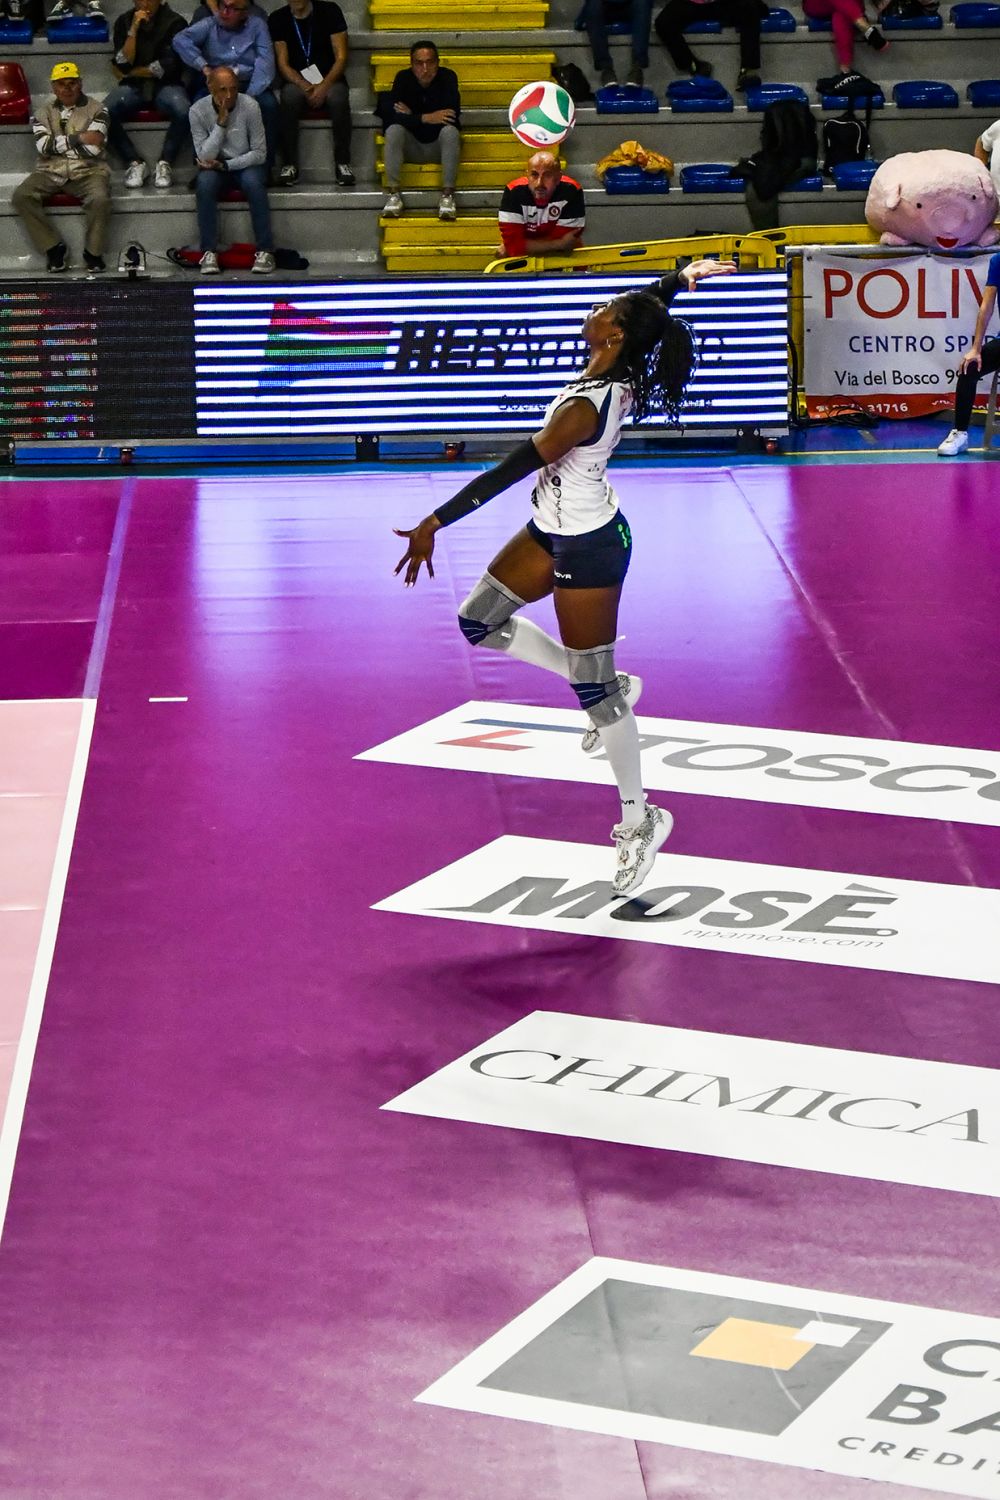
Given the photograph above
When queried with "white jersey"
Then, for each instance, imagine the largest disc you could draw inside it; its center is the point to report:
(573, 495)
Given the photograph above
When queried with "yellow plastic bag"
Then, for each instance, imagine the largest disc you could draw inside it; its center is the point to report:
(632, 154)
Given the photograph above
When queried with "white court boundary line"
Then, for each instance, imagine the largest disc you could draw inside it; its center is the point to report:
(13, 1116)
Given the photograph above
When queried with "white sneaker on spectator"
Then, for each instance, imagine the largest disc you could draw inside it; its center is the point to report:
(446, 208)
(60, 10)
(263, 263)
(209, 263)
(94, 9)
(392, 207)
(163, 176)
(956, 442)
(136, 174)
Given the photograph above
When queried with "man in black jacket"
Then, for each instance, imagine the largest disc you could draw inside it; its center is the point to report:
(422, 118)
(149, 72)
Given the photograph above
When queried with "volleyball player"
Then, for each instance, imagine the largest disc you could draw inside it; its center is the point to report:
(577, 546)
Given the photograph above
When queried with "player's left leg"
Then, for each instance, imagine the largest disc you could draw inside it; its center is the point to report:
(588, 624)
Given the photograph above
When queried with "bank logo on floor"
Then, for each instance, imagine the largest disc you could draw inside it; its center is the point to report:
(722, 760)
(821, 1109)
(776, 911)
(817, 1380)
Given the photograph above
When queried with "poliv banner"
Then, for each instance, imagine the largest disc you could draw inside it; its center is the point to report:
(887, 334)
(816, 1380)
(813, 916)
(462, 356)
(818, 1109)
(718, 760)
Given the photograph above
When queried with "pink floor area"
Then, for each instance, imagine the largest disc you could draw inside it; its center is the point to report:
(228, 1272)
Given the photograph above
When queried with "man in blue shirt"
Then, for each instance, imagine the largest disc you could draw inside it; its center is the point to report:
(982, 359)
(228, 138)
(238, 39)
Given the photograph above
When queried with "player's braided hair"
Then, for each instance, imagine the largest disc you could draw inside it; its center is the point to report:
(658, 355)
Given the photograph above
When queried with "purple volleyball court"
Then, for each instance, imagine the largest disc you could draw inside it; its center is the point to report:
(371, 1150)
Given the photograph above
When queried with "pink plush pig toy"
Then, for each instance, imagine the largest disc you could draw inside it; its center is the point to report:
(941, 199)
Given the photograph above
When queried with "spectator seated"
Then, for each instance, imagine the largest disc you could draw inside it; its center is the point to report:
(616, 99)
(974, 14)
(770, 93)
(922, 93)
(710, 177)
(777, 20)
(854, 176)
(15, 96)
(984, 93)
(690, 96)
(635, 180)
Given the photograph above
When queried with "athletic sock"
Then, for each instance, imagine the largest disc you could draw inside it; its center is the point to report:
(621, 745)
(528, 642)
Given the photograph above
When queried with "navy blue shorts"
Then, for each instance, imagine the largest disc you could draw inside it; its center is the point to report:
(593, 560)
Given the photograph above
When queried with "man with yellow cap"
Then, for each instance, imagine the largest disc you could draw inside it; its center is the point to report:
(71, 139)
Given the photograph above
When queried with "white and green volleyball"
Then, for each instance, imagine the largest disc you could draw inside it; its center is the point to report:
(541, 114)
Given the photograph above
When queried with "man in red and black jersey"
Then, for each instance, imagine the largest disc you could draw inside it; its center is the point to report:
(542, 213)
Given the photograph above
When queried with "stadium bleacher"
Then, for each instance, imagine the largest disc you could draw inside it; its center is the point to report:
(339, 230)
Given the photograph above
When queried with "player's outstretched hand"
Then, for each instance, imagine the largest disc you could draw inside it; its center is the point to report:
(699, 269)
(420, 549)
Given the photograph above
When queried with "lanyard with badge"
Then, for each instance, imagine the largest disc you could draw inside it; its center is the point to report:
(310, 72)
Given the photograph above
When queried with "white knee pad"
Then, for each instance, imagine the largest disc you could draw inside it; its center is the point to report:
(594, 680)
(484, 618)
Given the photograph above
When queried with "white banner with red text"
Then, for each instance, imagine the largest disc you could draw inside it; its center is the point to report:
(887, 334)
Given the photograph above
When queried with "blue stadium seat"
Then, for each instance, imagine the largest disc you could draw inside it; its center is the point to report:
(710, 177)
(819, 23)
(812, 183)
(690, 96)
(618, 99)
(839, 101)
(852, 175)
(778, 20)
(984, 93)
(975, 13)
(635, 180)
(703, 28)
(770, 93)
(70, 29)
(911, 23)
(15, 33)
(923, 93)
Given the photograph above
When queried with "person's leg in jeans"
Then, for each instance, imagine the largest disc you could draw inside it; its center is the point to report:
(965, 389)
(208, 186)
(269, 110)
(642, 18)
(745, 16)
(397, 138)
(338, 106)
(597, 35)
(291, 106)
(253, 181)
(172, 101)
(122, 103)
(450, 141)
(670, 24)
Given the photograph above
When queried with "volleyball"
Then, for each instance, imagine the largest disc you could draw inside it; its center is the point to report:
(541, 114)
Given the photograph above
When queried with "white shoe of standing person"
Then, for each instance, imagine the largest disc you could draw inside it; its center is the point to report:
(636, 847)
(630, 687)
(209, 263)
(956, 442)
(446, 208)
(392, 207)
(263, 263)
